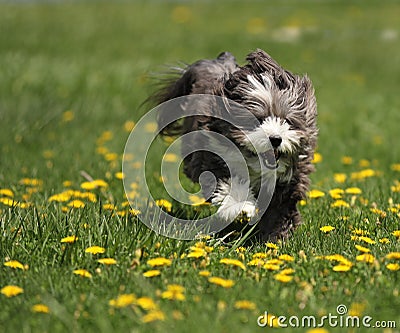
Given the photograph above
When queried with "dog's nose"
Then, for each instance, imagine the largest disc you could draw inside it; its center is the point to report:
(275, 140)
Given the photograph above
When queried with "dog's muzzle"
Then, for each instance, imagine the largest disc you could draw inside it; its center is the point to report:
(270, 158)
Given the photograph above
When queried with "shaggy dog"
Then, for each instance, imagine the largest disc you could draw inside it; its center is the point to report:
(284, 106)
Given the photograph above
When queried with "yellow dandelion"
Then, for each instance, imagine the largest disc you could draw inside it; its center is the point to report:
(362, 248)
(327, 228)
(95, 249)
(225, 283)
(283, 278)
(272, 246)
(317, 330)
(83, 273)
(150, 127)
(170, 157)
(396, 233)
(366, 240)
(302, 202)
(366, 173)
(9, 202)
(360, 232)
(196, 200)
(31, 182)
(40, 308)
(14, 264)
(336, 193)
(119, 175)
(146, 303)
(317, 158)
(76, 204)
(60, 197)
(198, 253)
(69, 239)
(151, 273)
(347, 160)
(393, 255)
(160, 261)
(153, 316)
(271, 267)
(341, 268)
(384, 240)
(245, 305)
(107, 261)
(287, 271)
(353, 190)
(11, 291)
(109, 206)
(356, 309)
(205, 273)
(164, 204)
(260, 255)
(314, 194)
(340, 203)
(364, 163)
(286, 257)
(340, 177)
(100, 183)
(393, 267)
(129, 126)
(123, 301)
(7, 192)
(275, 261)
(256, 262)
(366, 257)
(68, 116)
(233, 262)
(379, 212)
(339, 258)
(174, 292)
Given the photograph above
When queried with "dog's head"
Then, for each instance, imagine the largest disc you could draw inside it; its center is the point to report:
(285, 107)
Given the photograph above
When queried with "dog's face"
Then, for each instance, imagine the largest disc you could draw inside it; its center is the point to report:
(282, 136)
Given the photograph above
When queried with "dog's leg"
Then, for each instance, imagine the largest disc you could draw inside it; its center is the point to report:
(234, 196)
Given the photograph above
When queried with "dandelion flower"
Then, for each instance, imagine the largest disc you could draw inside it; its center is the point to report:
(14, 264)
(286, 257)
(366, 257)
(233, 262)
(362, 248)
(245, 305)
(95, 250)
(107, 261)
(76, 204)
(69, 239)
(152, 273)
(396, 233)
(269, 320)
(146, 303)
(123, 301)
(174, 292)
(341, 268)
(11, 291)
(260, 255)
(153, 316)
(7, 192)
(393, 267)
(283, 278)
(384, 240)
(225, 283)
(287, 271)
(164, 204)
(353, 190)
(205, 273)
(317, 158)
(340, 177)
(40, 308)
(393, 255)
(272, 246)
(256, 262)
(314, 194)
(160, 261)
(340, 203)
(271, 267)
(83, 273)
(327, 228)
(170, 157)
(336, 193)
(347, 160)
(366, 240)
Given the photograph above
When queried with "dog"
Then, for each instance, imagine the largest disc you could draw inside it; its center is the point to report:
(285, 108)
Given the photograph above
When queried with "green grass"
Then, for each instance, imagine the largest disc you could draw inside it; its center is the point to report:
(96, 59)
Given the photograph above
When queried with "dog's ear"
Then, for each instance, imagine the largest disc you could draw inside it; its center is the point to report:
(260, 62)
(311, 110)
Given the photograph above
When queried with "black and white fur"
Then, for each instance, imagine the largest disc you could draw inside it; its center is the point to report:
(285, 107)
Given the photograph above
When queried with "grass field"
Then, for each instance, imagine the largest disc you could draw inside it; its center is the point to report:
(73, 79)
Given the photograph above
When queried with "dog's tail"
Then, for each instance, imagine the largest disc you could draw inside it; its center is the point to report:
(202, 77)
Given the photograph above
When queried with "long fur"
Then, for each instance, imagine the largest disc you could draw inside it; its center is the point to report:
(285, 107)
